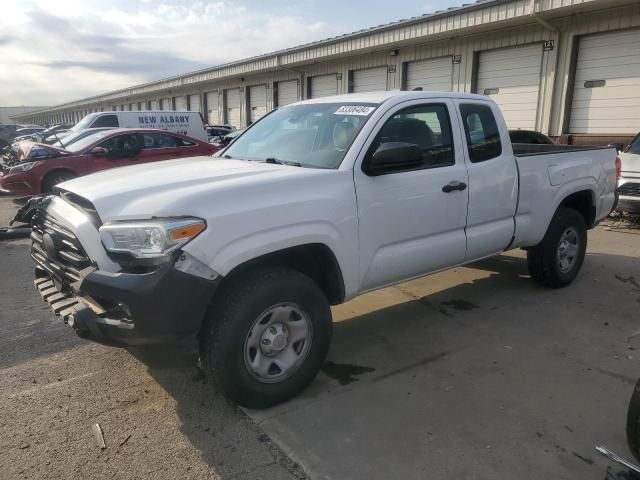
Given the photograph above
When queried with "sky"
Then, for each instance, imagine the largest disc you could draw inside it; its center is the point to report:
(53, 51)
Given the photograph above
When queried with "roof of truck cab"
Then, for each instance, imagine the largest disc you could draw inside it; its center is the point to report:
(382, 96)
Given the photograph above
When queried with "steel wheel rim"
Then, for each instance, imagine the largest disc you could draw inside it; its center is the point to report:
(278, 342)
(568, 249)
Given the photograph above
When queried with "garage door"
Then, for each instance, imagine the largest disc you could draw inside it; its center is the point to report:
(166, 104)
(212, 108)
(435, 74)
(194, 103)
(287, 92)
(369, 80)
(232, 104)
(257, 102)
(606, 92)
(180, 103)
(155, 105)
(511, 77)
(324, 85)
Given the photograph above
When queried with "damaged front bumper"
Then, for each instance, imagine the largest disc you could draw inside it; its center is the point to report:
(89, 292)
(163, 306)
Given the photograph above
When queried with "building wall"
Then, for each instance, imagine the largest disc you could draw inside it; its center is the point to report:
(473, 32)
(7, 113)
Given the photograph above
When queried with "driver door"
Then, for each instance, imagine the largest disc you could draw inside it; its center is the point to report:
(411, 222)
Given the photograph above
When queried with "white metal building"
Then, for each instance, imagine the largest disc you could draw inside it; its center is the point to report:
(562, 67)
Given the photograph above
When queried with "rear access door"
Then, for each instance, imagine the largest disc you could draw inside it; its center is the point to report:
(493, 179)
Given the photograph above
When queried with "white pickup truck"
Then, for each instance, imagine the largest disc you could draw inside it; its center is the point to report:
(314, 204)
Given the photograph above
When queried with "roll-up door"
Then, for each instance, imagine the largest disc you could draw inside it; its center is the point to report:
(212, 108)
(434, 75)
(257, 102)
(166, 104)
(369, 80)
(180, 103)
(511, 77)
(287, 92)
(323, 85)
(232, 105)
(606, 92)
(155, 105)
(194, 103)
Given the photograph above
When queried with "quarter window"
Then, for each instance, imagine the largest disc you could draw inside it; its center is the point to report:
(106, 121)
(426, 126)
(160, 140)
(481, 130)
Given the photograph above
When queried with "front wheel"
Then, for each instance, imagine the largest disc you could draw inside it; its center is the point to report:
(266, 336)
(54, 179)
(557, 259)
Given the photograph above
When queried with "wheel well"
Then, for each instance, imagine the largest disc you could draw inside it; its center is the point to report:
(50, 174)
(315, 260)
(583, 203)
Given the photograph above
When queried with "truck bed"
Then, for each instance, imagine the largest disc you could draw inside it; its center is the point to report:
(549, 173)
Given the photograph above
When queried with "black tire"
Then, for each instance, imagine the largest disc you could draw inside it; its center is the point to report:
(233, 314)
(633, 423)
(54, 178)
(542, 259)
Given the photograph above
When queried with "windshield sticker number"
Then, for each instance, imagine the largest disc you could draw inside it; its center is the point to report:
(354, 110)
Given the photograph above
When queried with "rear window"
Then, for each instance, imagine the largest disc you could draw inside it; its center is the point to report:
(481, 130)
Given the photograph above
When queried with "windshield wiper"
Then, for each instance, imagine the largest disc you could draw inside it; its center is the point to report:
(281, 162)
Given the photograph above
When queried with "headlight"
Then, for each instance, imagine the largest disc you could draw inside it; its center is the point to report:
(152, 241)
(23, 167)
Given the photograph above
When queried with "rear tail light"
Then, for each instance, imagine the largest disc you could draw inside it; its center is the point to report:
(618, 168)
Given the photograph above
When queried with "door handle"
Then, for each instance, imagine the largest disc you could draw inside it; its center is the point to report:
(454, 186)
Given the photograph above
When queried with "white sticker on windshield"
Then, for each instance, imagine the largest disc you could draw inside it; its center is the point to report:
(354, 110)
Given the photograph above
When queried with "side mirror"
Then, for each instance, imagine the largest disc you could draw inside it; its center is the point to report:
(98, 152)
(393, 157)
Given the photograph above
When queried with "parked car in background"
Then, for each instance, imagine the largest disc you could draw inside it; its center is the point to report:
(530, 137)
(26, 132)
(225, 140)
(316, 203)
(629, 182)
(99, 151)
(216, 132)
(185, 123)
(51, 134)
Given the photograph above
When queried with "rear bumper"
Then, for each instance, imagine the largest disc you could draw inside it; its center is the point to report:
(628, 192)
(164, 306)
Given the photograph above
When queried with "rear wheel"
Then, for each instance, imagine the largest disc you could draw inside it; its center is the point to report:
(557, 259)
(267, 336)
(54, 178)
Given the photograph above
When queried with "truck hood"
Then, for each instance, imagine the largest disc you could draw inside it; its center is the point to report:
(630, 163)
(180, 187)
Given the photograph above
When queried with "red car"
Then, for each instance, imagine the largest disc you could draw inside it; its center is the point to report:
(44, 166)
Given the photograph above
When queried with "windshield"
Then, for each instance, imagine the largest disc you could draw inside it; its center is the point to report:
(311, 135)
(84, 123)
(85, 142)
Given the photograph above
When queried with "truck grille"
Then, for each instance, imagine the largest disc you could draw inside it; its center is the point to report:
(56, 249)
(630, 189)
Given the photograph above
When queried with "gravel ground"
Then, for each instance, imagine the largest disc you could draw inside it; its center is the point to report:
(159, 416)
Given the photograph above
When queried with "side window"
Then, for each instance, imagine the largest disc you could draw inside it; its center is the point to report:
(635, 146)
(106, 121)
(481, 130)
(121, 146)
(428, 127)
